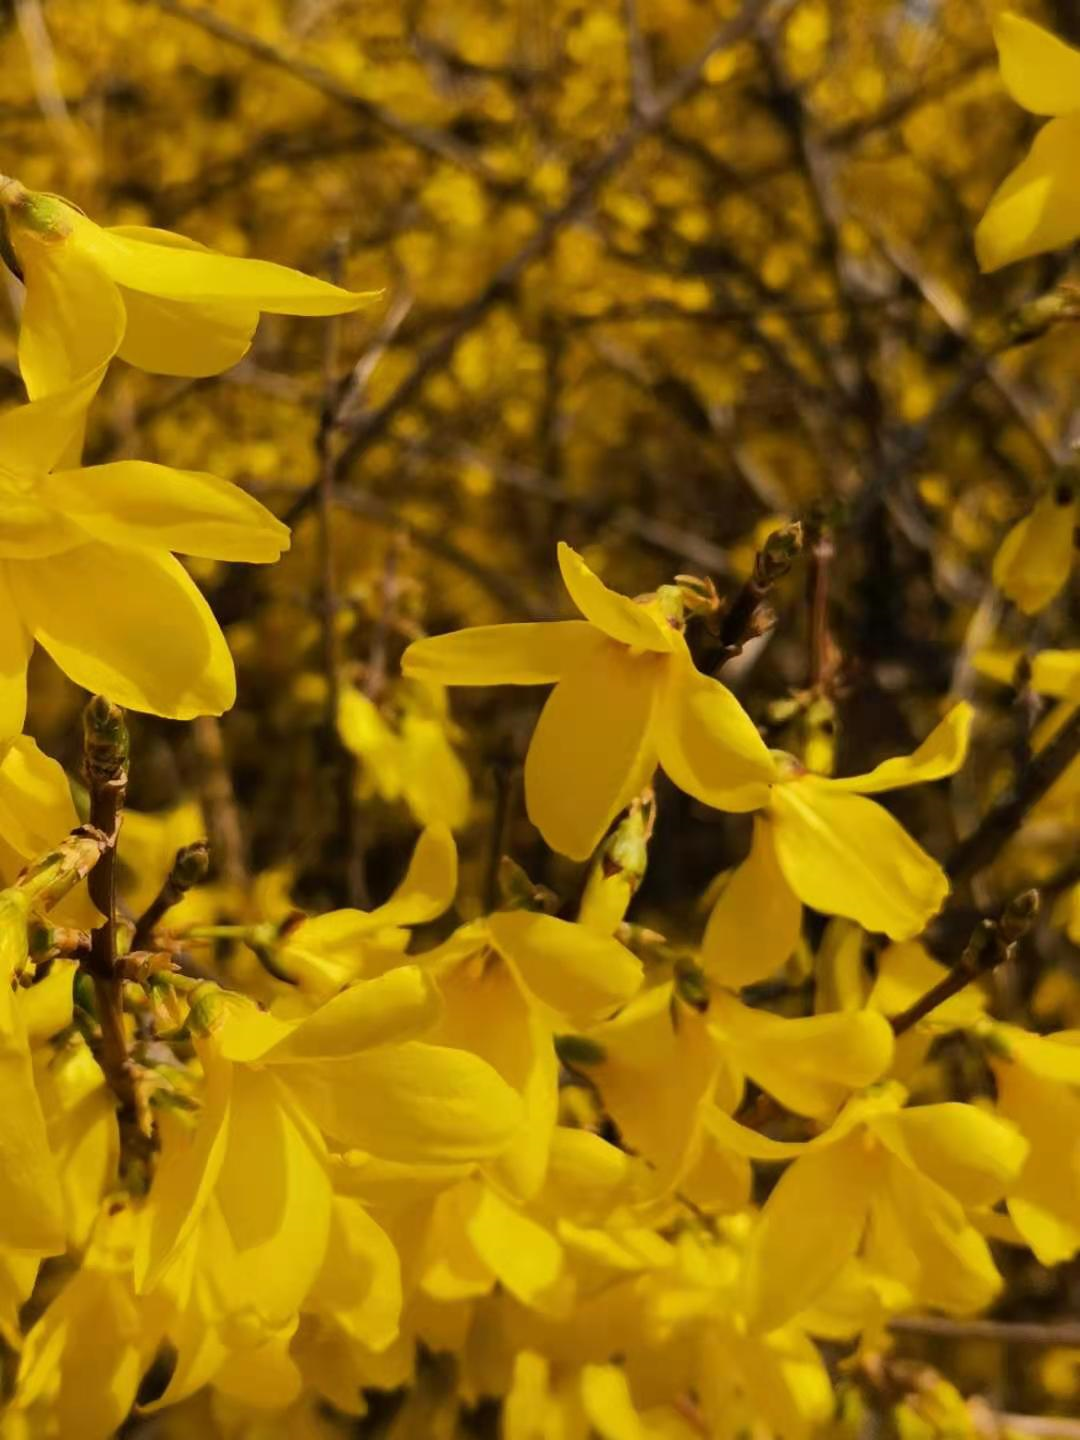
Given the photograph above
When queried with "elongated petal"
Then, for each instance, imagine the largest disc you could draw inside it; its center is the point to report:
(360, 1281)
(15, 648)
(971, 1153)
(529, 654)
(1057, 673)
(575, 970)
(429, 885)
(606, 1400)
(131, 625)
(1037, 207)
(920, 1236)
(36, 437)
(941, 753)
(592, 750)
(31, 1203)
(1040, 71)
(417, 1103)
(845, 855)
(397, 1006)
(176, 337)
(1035, 559)
(1044, 1200)
(812, 1225)
(36, 809)
(616, 615)
(274, 1196)
(708, 745)
(811, 1064)
(159, 262)
(754, 926)
(187, 1173)
(524, 1255)
(135, 503)
(72, 321)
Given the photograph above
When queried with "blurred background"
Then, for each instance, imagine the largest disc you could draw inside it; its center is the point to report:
(657, 277)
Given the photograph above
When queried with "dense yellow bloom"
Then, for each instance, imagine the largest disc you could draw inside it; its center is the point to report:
(1036, 557)
(1037, 207)
(821, 843)
(893, 1184)
(627, 696)
(86, 568)
(160, 301)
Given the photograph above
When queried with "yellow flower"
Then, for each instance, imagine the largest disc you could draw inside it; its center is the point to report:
(160, 301)
(36, 809)
(1035, 559)
(351, 1074)
(627, 696)
(893, 1184)
(821, 843)
(1037, 207)
(1038, 1086)
(86, 569)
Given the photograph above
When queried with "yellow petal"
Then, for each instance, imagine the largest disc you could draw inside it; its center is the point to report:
(941, 753)
(161, 263)
(578, 972)
(905, 972)
(135, 503)
(131, 625)
(413, 1102)
(811, 1064)
(1044, 1200)
(274, 1198)
(616, 615)
(525, 1256)
(529, 654)
(15, 648)
(35, 437)
(31, 1205)
(187, 1172)
(72, 320)
(606, 1400)
(1037, 207)
(708, 745)
(811, 1226)
(1035, 559)
(754, 926)
(434, 780)
(36, 809)
(592, 750)
(969, 1152)
(1040, 71)
(430, 882)
(1057, 673)
(179, 337)
(918, 1235)
(360, 1281)
(845, 855)
(397, 1006)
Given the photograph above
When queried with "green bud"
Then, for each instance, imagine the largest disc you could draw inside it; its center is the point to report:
(106, 747)
(207, 1010)
(691, 984)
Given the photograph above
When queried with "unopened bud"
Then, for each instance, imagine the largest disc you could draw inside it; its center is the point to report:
(206, 1012)
(1019, 916)
(190, 866)
(777, 555)
(1039, 315)
(106, 746)
(518, 891)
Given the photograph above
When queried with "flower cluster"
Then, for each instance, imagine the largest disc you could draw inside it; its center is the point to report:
(519, 1151)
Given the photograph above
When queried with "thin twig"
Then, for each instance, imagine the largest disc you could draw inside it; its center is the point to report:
(1005, 817)
(1007, 1332)
(220, 810)
(373, 425)
(188, 869)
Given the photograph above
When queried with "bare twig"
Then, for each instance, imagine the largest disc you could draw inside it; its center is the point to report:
(222, 815)
(1007, 1332)
(1006, 816)
(374, 424)
(750, 614)
(991, 944)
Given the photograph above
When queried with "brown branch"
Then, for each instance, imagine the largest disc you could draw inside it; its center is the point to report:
(220, 810)
(1007, 1332)
(105, 764)
(1006, 816)
(644, 123)
(750, 615)
(992, 943)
